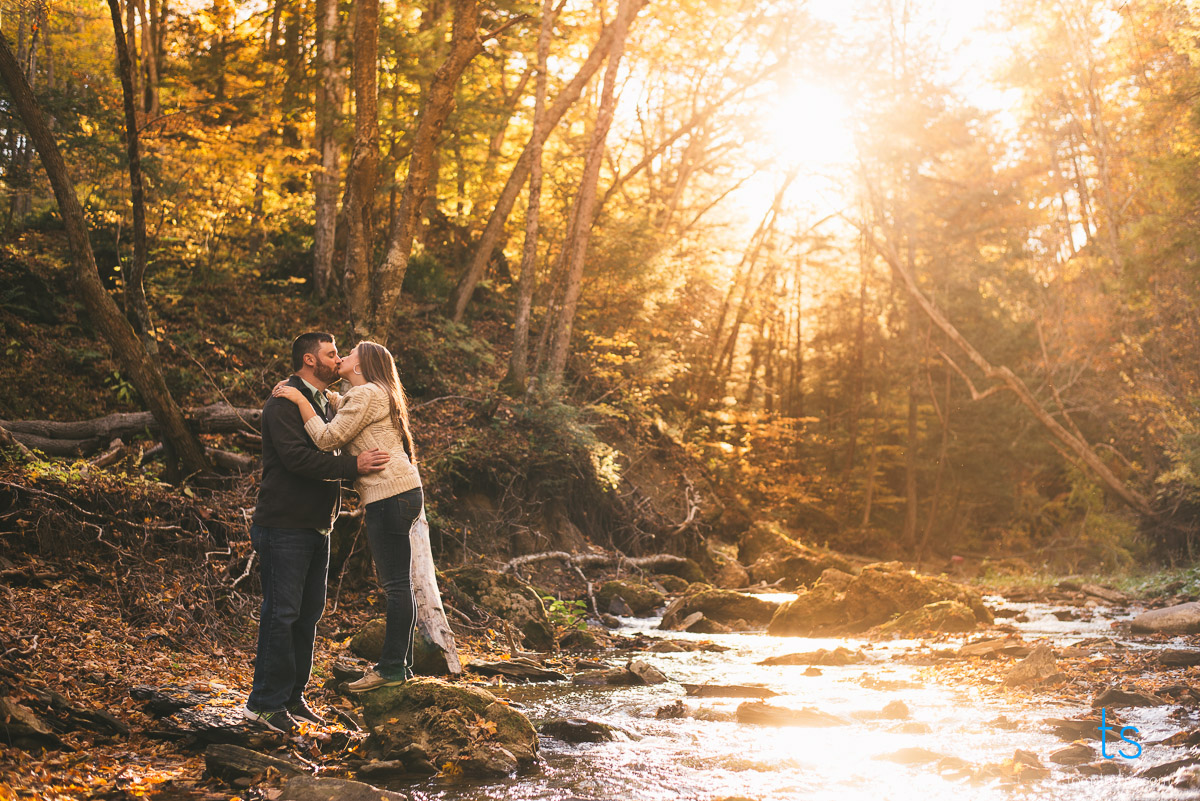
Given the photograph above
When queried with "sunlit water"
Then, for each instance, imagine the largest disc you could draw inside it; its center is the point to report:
(717, 757)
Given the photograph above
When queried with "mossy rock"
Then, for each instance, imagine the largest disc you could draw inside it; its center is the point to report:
(453, 723)
(875, 596)
(722, 606)
(939, 617)
(672, 584)
(885, 589)
(771, 555)
(727, 573)
(821, 608)
(642, 599)
(508, 598)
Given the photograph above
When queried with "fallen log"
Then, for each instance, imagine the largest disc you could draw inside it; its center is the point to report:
(231, 762)
(431, 617)
(8, 441)
(659, 563)
(71, 438)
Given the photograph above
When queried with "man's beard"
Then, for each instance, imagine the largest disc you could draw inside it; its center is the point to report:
(325, 374)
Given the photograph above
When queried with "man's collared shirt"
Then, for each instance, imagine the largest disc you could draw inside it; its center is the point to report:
(318, 398)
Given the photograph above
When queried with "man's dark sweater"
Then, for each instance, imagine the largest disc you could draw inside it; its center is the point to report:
(301, 486)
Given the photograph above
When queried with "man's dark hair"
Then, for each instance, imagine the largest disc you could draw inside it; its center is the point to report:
(307, 343)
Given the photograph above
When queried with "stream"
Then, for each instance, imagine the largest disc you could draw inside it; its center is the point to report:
(712, 756)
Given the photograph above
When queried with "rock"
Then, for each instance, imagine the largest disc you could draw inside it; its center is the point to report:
(721, 606)
(727, 691)
(646, 672)
(411, 759)
(232, 762)
(616, 606)
(1074, 754)
(452, 723)
(508, 598)
(772, 555)
(610, 621)
(1181, 619)
(912, 756)
(882, 590)
(1105, 593)
(877, 594)
(517, 669)
(1174, 657)
(1165, 769)
(758, 712)
(672, 711)
(913, 727)
(835, 658)
(838, 579)
(727, 573)
(813, 671)
(672, 584)
(582, 641)
(368, 642)
(697, 623)
(935, 618)
(1115, 697)
(307, 788)
(1085, 728)
(578, 730)
(1003, 645)
(1039, 665)
(1103, 767)
(895, 710)
(1187, 778)
(818, 609)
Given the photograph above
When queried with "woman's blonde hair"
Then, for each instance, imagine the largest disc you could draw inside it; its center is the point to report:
(379, 367)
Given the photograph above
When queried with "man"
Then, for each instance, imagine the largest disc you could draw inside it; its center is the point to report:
(298, 500)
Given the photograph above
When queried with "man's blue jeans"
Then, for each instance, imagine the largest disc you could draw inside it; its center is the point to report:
(388, 524)
(294, 563)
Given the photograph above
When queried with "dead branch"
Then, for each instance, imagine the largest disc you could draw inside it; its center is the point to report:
(8, 441)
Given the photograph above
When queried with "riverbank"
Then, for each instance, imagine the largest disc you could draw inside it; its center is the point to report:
(928, 714)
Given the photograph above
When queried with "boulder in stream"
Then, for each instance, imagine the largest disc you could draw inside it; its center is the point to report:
(1074, 754)
(578, 730)
(939, 617)
(307, 788)
(1039, 665)
(760, 713)
(721, 606)
(1116, 697)
(836, 658)
(879, 593)
(464, 726)
(1180, 619)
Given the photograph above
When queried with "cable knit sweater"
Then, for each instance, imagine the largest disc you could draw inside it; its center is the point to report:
(363, 422)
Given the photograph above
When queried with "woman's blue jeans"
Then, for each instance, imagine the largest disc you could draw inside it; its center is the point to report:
(388, 524)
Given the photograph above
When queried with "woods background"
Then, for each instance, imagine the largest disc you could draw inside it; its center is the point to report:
(848, 280)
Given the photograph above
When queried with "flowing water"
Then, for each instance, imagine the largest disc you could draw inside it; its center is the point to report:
(715, 757)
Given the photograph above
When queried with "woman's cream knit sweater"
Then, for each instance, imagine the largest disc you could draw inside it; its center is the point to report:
(364, 421)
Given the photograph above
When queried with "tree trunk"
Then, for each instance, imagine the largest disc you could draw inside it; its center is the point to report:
(465, 44)
(329, 101)
(131, 44)
(431, 615)
(1009, 380)
(518, 363)
(358, 206)
(560, 336)
(149, 96)
(516, 179)
(137, 310)
(142, 370)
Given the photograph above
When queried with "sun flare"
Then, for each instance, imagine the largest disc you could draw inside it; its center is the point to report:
(809, 127)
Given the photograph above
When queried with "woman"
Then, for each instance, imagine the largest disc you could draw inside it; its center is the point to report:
(374, 414)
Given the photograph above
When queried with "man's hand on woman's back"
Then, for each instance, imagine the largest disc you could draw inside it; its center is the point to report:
(372, 461)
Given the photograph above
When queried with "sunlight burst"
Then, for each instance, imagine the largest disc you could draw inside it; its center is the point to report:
(809, 128)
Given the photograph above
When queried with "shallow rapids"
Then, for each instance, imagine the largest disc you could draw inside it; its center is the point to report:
(712, 756)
